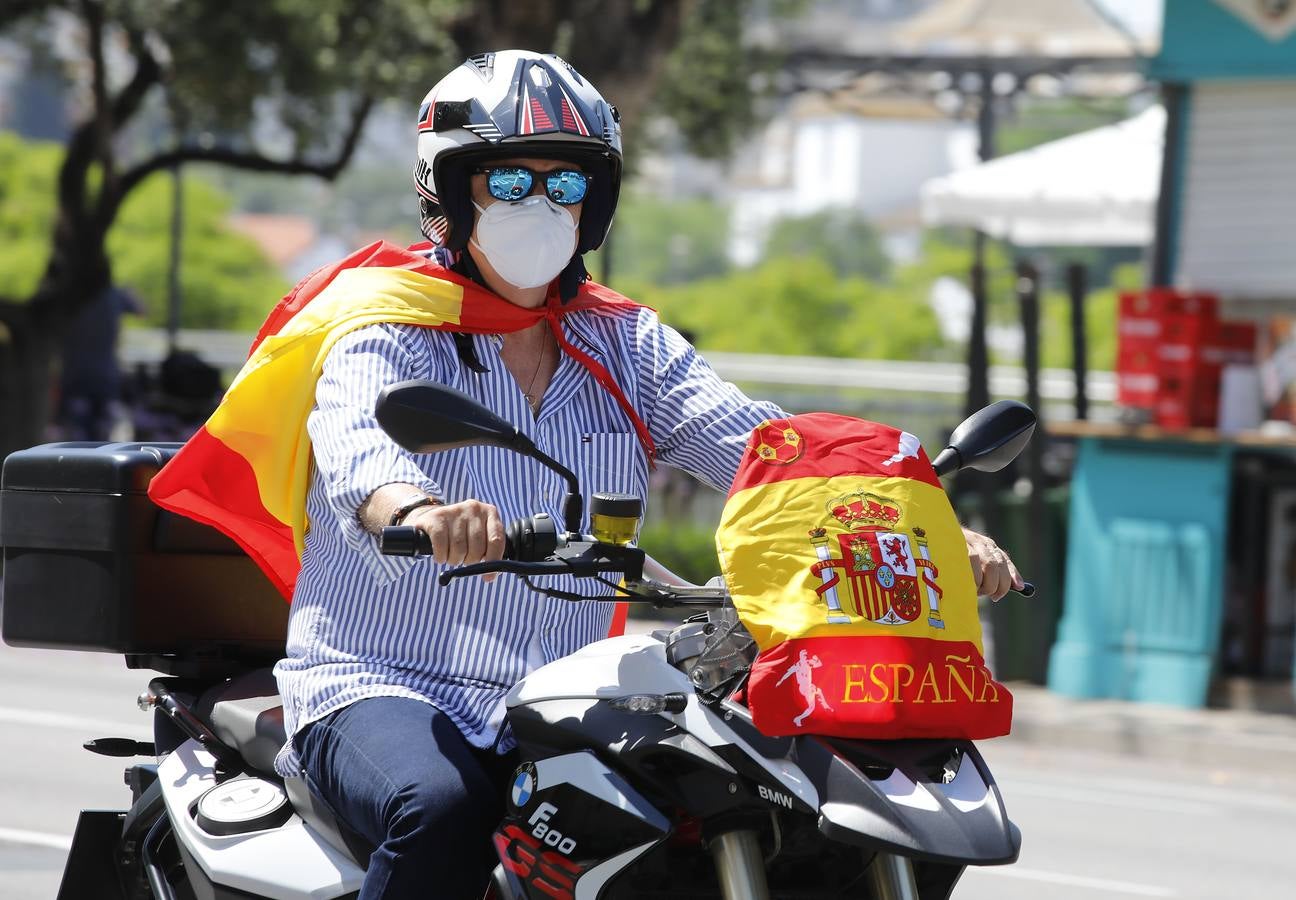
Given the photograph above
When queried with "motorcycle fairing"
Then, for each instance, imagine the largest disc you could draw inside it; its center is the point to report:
(673, 767)
(637, 664)
(572, 825)
(892, 795)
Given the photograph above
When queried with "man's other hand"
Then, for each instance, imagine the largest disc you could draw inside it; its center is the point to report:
(992, 569)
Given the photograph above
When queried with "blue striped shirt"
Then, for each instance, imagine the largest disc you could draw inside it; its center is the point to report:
(366, 625)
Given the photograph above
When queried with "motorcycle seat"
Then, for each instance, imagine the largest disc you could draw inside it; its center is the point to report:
(247, 714)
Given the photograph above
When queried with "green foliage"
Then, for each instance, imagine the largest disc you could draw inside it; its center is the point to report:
(296, 57)
(706, 84)
(1100, 321)
(1039, 120)
(27, 177)
(844, 239)
(665, 242)
(365, 199)
(687, 550)
(799, 307)
(225, 280)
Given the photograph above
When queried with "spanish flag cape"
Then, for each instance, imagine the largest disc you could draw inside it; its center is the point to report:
(246, 472)
(848, 566)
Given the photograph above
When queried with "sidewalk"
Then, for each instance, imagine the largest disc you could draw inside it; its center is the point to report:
(1236, 735)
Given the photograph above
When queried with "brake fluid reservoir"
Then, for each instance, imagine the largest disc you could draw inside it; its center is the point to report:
(614, 518)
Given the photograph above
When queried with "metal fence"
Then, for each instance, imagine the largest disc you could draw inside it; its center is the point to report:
(836, 383)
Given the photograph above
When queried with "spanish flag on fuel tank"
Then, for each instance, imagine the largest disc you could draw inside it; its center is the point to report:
(246, 472)
(848, 566)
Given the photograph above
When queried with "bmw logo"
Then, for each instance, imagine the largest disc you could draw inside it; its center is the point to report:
(523, 785)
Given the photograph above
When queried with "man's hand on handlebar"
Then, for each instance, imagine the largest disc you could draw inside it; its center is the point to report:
(992, 568)
(462, 533)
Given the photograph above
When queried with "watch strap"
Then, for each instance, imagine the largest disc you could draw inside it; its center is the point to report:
(412, 503)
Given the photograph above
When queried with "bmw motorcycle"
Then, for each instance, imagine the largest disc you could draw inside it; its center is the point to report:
(642, 774)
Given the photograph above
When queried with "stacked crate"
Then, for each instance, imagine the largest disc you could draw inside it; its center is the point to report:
(1172, 349)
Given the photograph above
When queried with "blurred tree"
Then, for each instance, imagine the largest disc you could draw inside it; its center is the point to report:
(226, 280)
(843, 238)
(211, 71)
(666, 242)
(803, 308)
(1100, 321)
(1037, 120)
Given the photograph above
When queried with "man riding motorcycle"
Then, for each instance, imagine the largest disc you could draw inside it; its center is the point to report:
(393, 687)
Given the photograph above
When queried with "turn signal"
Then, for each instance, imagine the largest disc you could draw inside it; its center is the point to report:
(650, 704)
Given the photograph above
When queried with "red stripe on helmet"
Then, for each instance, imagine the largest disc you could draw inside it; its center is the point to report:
(577, 124)
(526, 126)
(542, 120)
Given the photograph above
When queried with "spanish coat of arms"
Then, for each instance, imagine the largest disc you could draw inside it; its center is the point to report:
(882, 572)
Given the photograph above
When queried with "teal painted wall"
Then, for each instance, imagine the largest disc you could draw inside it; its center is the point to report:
(1201, 40)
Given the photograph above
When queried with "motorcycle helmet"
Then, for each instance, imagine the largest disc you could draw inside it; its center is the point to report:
(513, 103)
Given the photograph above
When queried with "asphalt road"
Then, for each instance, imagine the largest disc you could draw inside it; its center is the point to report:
(1094, 826)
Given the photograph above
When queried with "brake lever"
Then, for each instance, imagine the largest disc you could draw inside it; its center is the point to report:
(505, 567)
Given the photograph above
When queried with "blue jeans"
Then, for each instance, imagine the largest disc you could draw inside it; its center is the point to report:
(400, 774)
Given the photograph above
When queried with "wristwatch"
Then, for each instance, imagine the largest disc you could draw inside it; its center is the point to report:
(412, 503)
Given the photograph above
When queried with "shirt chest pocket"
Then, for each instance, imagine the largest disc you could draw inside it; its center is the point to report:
(613, 462)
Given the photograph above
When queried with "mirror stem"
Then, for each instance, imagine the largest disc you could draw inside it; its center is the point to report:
(947, 461)
(573, 504)
(573, 512)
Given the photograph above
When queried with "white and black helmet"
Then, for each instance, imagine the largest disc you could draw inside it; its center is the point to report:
(505, 104)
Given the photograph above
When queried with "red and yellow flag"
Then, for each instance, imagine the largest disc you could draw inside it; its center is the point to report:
(849, 568)
(246, 472)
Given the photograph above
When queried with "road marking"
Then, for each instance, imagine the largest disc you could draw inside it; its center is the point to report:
(38, 838)
(1106, 798)
(1098, 884)
(1255, 798)
(92, 727)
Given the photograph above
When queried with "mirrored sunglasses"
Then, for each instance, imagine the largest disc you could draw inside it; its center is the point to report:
(511, 183)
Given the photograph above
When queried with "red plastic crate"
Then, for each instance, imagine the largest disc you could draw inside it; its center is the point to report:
(1160, 302)
(1232, 343)
(1184, 337)
(1137, 365)
(1170, 352)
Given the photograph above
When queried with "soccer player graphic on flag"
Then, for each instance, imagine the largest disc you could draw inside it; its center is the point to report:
(802, 669)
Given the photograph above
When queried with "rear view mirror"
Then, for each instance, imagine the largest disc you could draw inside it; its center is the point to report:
(988, 439)
(424, 417)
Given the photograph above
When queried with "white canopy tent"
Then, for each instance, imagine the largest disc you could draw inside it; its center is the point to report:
(1097, 188)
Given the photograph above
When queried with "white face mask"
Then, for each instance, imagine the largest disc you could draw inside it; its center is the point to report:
(528, 242)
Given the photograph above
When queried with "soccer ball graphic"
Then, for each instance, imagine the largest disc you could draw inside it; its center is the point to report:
(777, 442)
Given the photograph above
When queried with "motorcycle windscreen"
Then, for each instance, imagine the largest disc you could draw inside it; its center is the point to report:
(849, 568)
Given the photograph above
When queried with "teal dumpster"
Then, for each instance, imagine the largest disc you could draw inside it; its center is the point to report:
(1144, 580)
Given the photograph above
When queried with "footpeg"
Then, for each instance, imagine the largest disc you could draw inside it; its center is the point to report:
(120, 747)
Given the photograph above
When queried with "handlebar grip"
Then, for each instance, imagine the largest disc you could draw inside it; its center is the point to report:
(404, 540)
(407, 540)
